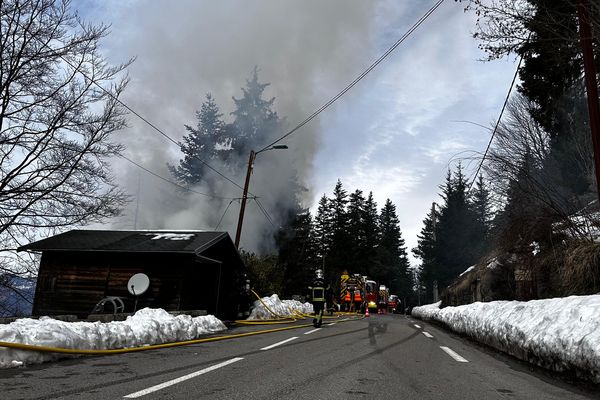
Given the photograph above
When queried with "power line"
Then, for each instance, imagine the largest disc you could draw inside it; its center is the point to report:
(157, 129)
(223, 216)
(170, 181)
(264, 211)
(359, 77)
(487, 149)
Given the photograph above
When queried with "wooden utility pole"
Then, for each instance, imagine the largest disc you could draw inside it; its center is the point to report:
(238, 233)
(591, 84)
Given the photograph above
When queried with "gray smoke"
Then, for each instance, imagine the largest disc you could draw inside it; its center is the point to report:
(307, 50)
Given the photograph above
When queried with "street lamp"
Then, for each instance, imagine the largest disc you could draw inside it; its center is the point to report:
(253, 155)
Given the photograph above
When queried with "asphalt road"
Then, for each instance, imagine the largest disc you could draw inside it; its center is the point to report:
(381, 357)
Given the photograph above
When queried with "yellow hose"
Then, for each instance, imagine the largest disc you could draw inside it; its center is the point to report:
(268, 308)
(47, 349)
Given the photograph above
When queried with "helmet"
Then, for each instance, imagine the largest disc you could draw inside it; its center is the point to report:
(319, 273)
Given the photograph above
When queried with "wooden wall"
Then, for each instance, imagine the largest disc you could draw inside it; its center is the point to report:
(73, 282)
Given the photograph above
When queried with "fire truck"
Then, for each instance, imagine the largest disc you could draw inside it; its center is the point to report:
(371, 295)
(351, 292)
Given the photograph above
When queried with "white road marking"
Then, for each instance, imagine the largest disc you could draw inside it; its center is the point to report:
(181, 379)
(429, 335)
(314, 330)
(333, 323)
(453, 354)
(280, 343)
(417, 326)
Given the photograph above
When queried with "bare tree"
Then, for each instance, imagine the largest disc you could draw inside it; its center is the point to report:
(521, 139)
(58, 113)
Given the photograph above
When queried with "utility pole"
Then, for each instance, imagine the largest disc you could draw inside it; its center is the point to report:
(238, 233)
(253, 154)
(585, 34)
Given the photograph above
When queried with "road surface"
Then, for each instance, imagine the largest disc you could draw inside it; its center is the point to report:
(381, 357)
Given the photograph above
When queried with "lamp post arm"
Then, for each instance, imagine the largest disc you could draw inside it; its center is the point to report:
(238, 232)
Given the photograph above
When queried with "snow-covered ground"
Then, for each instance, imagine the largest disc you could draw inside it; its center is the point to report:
(282, 308)
(145, 327)
(560, 333)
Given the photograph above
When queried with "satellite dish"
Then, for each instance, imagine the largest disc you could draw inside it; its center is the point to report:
(138, 284)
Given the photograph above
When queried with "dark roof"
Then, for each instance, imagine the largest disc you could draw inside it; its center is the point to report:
(130, 241)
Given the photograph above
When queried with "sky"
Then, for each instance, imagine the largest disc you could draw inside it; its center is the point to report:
(395, 133)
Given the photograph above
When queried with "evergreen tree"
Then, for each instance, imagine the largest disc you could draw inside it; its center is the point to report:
(392, 267)
(297, 256)
(208, 141)
(255, 121)
(480, 202)
(356, 231)
(456, 238)
(426, 251)
(371, 232)
(339, 254)
(322, 229)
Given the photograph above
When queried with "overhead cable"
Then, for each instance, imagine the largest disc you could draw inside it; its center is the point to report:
(121, 102)
(487, 149)
(359, 77)
(170, 181)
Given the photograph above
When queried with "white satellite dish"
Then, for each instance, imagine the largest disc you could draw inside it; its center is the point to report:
(138, 284)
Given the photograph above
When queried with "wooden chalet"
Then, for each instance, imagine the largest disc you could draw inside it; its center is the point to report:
(188, 270)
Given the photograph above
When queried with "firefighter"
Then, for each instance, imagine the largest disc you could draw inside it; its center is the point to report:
(318, 298)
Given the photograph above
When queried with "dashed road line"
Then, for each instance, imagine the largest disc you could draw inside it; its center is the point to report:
(331, 324)
(453, 354)
(279, 343)
(181, 379)
(429, 335)
(313, 331)
(417, 326)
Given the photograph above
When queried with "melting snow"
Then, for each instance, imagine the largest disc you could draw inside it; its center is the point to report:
(559, 333)
(146, 327)
(282, 308)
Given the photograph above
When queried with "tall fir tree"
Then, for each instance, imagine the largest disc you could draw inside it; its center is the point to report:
(255, 121)
(356, 230)
(322, 229)
(210, 140)
(392, 259)
(480, 203)
(297, 258)
(456, 238)
(372, 234)
(426, 251)
(338, 257)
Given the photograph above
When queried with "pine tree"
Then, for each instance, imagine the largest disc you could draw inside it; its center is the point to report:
(209, 140)
(339, 254)
(480, 203)
(392, 262)
(297, 256)
(322, 229)
(426, 251)
(456, 237)
(371, 231)
(255, 121)
(356, 230)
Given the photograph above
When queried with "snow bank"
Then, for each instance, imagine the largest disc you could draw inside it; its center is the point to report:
(560, 334)
(282, 308)
(145, 327)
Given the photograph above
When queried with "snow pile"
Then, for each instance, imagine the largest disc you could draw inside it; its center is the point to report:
(282, 308)
(146, 327)
(559, 333)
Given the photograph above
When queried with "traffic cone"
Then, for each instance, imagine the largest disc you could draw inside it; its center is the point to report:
(367, 312)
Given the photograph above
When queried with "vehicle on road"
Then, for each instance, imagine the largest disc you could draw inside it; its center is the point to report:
(393, 304)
